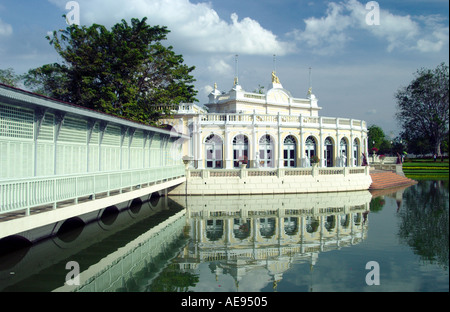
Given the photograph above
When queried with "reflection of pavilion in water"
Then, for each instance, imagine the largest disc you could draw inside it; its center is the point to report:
(244, 233)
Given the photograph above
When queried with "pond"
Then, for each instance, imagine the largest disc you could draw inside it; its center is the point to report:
(394, 240)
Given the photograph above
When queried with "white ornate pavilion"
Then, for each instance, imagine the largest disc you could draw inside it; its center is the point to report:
(271, 130)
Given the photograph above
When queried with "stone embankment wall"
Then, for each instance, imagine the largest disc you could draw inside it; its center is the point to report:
(276, 181)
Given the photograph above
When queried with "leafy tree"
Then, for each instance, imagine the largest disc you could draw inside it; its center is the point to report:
(423, 107)
(376, 134)
(259, 90)
(444, 145)
(424, 221)
(9, 77)
(125, 71)
(420, 146)
(49, 80)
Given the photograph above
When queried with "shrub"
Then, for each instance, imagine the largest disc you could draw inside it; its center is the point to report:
(315, 159)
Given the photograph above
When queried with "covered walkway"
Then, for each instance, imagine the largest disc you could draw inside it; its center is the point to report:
(59, 160)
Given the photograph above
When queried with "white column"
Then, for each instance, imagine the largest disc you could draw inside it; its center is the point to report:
(255, 143)
(301, 144)
(199, 149)
(351, 159)
(280, 154)
(321, 149)
(301, 149)
(227, 147)
(194, 143)
(280, 158)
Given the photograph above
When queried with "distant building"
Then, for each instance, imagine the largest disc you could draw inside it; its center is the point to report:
(271, 130)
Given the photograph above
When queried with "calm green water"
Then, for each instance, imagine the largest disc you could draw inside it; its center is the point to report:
(283, 243)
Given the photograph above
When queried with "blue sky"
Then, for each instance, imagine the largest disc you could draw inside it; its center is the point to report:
(356, 67)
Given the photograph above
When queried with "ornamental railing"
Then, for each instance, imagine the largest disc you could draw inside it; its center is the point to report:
(24, 194)
(286, 120)
(276, 172)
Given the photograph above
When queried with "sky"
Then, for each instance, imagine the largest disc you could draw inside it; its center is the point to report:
(354, 54)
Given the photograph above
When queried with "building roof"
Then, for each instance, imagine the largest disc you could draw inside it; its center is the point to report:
(276, 99)
(13, 95)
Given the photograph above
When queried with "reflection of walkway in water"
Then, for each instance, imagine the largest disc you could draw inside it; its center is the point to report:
(248, 236)
(85, 239)
(114, 271)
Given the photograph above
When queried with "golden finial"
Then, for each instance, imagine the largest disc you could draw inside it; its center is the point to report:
(275, 78)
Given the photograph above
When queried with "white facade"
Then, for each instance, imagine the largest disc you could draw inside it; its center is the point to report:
(271, 130)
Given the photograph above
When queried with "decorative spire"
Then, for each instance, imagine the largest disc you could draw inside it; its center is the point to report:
(275, 64)
(310, 81)
(236, 70)
(275, 79)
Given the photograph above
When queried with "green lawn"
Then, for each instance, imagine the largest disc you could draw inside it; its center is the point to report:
(418, 169)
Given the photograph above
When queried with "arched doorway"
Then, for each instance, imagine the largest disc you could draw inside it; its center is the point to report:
(214, 154)
(240, 149)
(266, 151)
(291, 226)
(328, 152)
(267, 227)
(214, 230)
(241, 228)
(310, 147)
(343, 153)
(290, 152)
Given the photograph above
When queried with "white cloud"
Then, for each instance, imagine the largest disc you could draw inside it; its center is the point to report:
(5, 29)
(220, 67)
(328, 34)
(438, 34)
(395, 29)
(194, 27)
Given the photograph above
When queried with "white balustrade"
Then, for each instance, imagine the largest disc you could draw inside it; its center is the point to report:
(283, 120)
(33, 192)
(256, 172)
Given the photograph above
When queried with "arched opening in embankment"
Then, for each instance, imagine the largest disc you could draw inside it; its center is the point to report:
(12, 250)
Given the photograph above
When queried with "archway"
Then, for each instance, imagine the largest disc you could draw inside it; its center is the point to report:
(267, 227)
(343, 153)
(310, 147)
(266, 151)
(290, 152)
(214, 229)
(240, 149)
(12, 250)
(70, 230)
(328, 152)
(214, 154)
